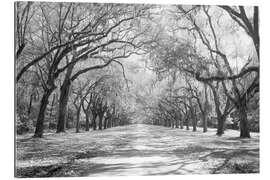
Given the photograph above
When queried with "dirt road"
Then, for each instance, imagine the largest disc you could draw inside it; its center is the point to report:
(134, 150)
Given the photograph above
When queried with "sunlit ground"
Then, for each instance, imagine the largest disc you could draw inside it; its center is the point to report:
(136, 150)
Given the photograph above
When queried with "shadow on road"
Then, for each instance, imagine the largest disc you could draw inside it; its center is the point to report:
(137, 150)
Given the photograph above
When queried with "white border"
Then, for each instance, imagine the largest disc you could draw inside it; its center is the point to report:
(7, 88)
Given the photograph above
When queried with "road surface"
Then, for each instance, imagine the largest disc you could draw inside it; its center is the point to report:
(133, 150)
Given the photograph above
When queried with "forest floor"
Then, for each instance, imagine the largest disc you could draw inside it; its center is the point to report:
(136, 150)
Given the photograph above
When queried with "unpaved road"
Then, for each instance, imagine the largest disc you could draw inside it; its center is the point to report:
(133, 150)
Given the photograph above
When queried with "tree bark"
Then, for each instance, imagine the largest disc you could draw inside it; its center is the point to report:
(109, 122)
(51, 110)
(41, 114)
(94, 121)
(51, 124)
(169, 123)
(172, 123)
(100, 121)
(112, 123)
(220, 117)
(67, 119)
(244, 126)
(206, 109)
(204, 120)
(105, 123)
(62, 110)
(30, 105)
(194, 121)
(193, 116)
(194, 124)
(187, 125)
(181, 124)
(87, 124)
(63, 100)
(220, 125)
(78, 119)
(165, 122)
(86, 112)
(20, 49)
(177, 122)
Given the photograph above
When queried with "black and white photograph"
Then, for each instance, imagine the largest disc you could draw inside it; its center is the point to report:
(136, 89)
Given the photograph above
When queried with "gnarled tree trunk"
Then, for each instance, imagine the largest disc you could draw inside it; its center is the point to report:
(100, 115)
(87, 124)
(41, 114)
(187, 123)
(204, 121)
(78, 119)
(30, 105)
(220, 125)
(206, 109)
(62, 110)
(244, 126)
(94, 124)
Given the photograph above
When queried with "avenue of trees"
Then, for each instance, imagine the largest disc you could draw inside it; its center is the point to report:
(61, 47)
(198, 56)
(70, 71)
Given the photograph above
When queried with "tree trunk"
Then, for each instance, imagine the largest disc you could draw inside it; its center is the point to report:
(109, 123)
(169, 123)
(220, 125)
(206, 109)
(220, 118)
(62, 111)
(181, 124)
(194, 123)
(94, 121)
(105, 123)
(244, 126)
(172, 124)
(87, 121)
(204, 120)
(78, 119)
(193, 116)
(187, 121)
(112, 123)
(51, 124)
(51, 110)
(41, 114)
(177, 123)
(20, 49)
(255, 35)
(67, 120)
(86, 112)
(63, 101)
(100, 121)
(30, 105)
